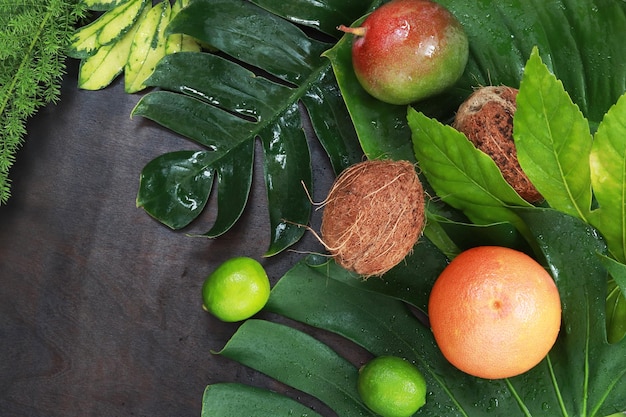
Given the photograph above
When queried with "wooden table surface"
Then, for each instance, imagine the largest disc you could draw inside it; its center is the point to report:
(100, 306)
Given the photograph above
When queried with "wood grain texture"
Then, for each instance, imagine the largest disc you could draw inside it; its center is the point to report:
(100, 307)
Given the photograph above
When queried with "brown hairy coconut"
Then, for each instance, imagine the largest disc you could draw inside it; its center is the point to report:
(486, 118)
(373, 216)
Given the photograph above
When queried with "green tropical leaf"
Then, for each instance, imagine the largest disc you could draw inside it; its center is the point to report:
(299, 360)
(410, 281)
(381, 127)
(461, 175)
(616, 299)
(222, 106)
(322, 15)
(576, 39)
(617, 271)
(553, 140)
(583, 374)
(608, 165)
(192, 185)
(615, 312)
(235, 400)
(590, 372)
(266, 38)
(467, 235)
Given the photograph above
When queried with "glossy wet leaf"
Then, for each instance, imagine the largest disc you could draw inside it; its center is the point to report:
(410, 281)
(181, 174)
(381, 127)
(221, 105)
(186, 178)
(556, 150)
(297, 359)
(615, 312)
(553, 140)
(502, 35)
(590, 373)
(617, 271)
(582, 375)
(616, 299)
(323, 15)
(578, 40)
(467, 235)
(381, 324)
(235, 400)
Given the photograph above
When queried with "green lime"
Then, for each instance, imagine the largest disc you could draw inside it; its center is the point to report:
(236, 290)
(391, 386)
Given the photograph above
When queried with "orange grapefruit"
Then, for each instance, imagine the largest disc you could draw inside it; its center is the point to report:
(495, 312)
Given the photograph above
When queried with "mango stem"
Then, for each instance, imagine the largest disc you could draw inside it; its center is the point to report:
(358, 31)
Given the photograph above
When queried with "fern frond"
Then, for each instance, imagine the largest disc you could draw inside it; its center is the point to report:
(33, 39)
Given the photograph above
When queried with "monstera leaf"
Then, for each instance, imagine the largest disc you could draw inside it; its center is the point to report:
(224, 106)
(273, 69)
(280, 62)
(583, 375)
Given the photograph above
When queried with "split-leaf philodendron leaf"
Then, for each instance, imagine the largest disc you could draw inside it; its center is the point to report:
(270, 71)
(583, 374)
(225, 107)
(277, 71)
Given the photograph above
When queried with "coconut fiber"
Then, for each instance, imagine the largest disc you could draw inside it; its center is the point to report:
(373, 216)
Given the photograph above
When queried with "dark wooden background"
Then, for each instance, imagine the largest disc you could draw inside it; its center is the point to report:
(100, 305)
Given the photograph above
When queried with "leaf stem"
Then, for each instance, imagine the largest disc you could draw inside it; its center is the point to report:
(435, 233)
(606, 394)
(555, 384)
(586, 377)
(521, 404)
